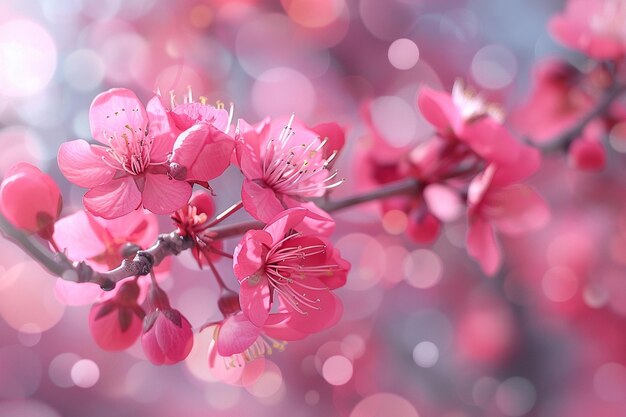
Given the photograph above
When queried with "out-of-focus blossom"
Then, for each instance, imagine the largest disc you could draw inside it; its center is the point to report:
(30, 199)
(284, 165)
(116, 323)
(587, 152)
(556, 101)
(131, 170)
(290, 261)
(167, 336)
(594, 27)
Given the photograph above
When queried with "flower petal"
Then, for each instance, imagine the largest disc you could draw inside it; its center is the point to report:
(236, 335)
(112, 111)
(113, 199)
(437, 107)
(82, 164)
(261, 202)
(162, 130)
(254, 298)
(75, 235)
(162, 195)
(482, 245)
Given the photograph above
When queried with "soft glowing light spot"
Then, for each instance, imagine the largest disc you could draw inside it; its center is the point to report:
(312, 397)
(313, 13)
(33, 287)
(281, 91)
(60, 369)
(494, 67)
(28, 55)
(201, 16)
(609, 382)
(85, 373)
(29, 334)
(384, 405)
(559, 284)
(423, 269)
(595, 296)
(484, 389)
(395, 255)
(366, 255)
(83, 70)
(395, 119)
(353, 346)
(395, 222)
(426, 354)
(269, 383)
(196, 362)
(516, 396)
(387, 19)
(403, 54)
(126, 57)
(337, 370)
(223, 396)
(18, 143)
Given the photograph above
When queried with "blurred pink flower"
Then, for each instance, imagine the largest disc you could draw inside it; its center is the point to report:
(290, 259)
(167, 336)
(116, 323)
(30, 199)
(594, 27)
(284, 166)
(132, 170)
(587, 152)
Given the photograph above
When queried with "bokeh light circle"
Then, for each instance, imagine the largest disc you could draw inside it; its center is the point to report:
(85, 373)
(426, 354)
(403, 54)
(337, 370)
(28, 55)
(282, 91)
(516, 396)
(494, 67)
(384, 405)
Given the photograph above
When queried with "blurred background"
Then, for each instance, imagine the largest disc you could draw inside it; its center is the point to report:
(424, 333)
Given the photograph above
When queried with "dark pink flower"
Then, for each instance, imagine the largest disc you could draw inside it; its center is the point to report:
(291, 263)
(30, 199)
(130, 170)
(284, 165)
(595, 27)
(167, 336)
(116, 323)
(587, 152)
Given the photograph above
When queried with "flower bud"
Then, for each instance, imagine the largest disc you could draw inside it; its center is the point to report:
(167, 336)
(587, 154)
(116, 323)
(30, 199)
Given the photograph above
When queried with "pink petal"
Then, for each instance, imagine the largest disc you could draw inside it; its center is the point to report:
(189, 144)
(254, 298)
(437, 107)
(175, 342)
(248, 160)
(203, 202)
(482, 245)
(236, 335)
(286, 220)
(162, 130)
(112, 111)
(213, 160)
(82, 164)
(162, 195)
(75, 235)
(516, 209)
(249, 254)
(261, 202)
(188, 114)
(139, 226)
(334, 134)
(113, 199)
(317, 221)
(491, 140)
(443, 201)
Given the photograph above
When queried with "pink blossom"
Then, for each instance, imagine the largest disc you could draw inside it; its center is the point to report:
(116, 323)
(101, 243)
(496, 201)
(284, 165)
(594, 27)
(587, 152)
(167, 336)
(131, 170)
(30, 199)
(291, 262)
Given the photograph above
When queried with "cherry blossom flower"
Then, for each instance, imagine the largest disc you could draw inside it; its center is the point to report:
(284, 165)
(167, 336)
(131, 169)
(101, 243)
(291, 261)
(30, 199)
(595, 27)
(116, 323)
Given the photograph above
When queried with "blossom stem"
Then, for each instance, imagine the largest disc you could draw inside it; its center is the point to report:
(225, 214)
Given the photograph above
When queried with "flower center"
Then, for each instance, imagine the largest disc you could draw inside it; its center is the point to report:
(130, 149)
(298, 170)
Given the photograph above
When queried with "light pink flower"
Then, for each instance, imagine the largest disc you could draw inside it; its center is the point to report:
(289, 261)
(284, 165)
(30, 199)
(130, 170)
(116, 323)
(100, 243)
(595, 27)
(167, 336)
(497, 201)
